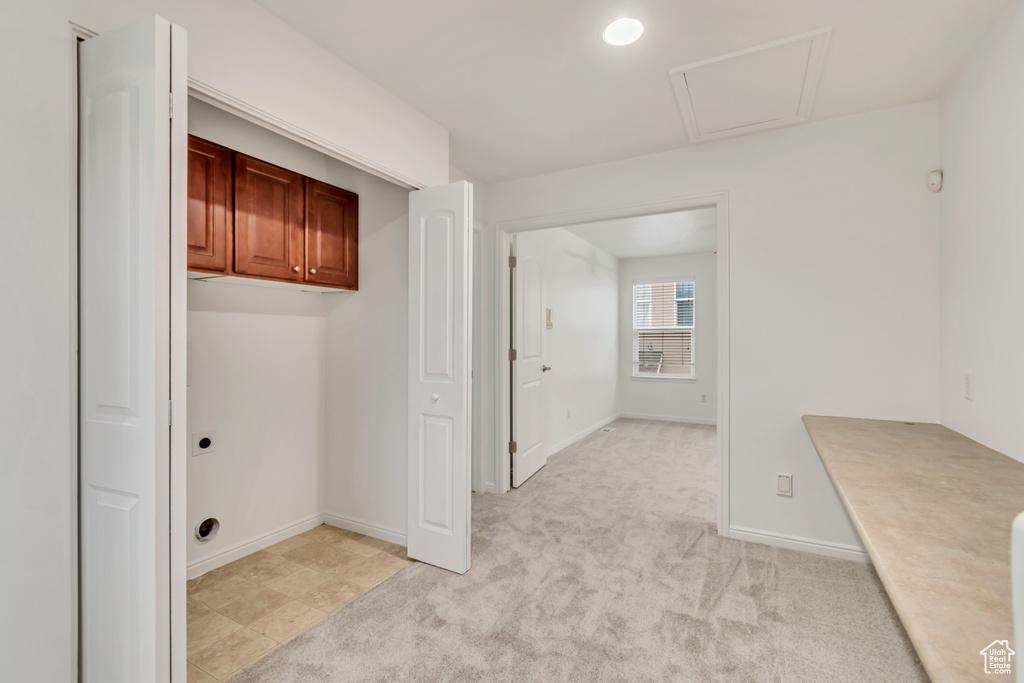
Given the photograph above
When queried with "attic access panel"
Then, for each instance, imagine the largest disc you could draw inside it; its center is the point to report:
(761, 87)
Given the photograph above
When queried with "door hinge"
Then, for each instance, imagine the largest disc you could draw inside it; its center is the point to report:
(512, 446)
(170, 105)
(511, 261)
(170, 413)
(511, 354)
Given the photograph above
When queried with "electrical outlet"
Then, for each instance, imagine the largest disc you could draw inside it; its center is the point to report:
(204, 442)
(785, 485)
(968, 389)
(703, 398)
(568, 412)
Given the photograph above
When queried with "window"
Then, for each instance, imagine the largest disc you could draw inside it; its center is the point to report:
(663, 323)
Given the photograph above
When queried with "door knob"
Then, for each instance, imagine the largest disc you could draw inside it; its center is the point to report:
(544, 368)
(312, 271)
(297, 269)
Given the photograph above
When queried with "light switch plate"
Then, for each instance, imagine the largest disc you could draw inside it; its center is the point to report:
(785, 485)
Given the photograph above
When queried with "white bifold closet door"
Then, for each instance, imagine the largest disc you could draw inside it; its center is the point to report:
(131, 254)
(440, 328)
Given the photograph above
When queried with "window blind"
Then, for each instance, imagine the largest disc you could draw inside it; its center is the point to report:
(663, 325)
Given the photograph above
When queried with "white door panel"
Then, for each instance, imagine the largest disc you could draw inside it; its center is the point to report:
(440, 296)
(125, 155)
(528, 373)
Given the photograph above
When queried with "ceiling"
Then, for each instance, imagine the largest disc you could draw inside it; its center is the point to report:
(528, 86)
(767, 86)
(681, 232)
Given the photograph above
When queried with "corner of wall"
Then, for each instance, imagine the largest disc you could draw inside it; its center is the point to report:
(982, 141)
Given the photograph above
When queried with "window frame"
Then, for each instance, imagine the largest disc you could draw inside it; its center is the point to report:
(635, 373)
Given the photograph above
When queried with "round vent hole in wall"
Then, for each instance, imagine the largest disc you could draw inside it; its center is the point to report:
(207, 528)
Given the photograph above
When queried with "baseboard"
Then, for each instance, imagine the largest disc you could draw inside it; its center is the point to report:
(582, 435)
(366, 528)
(243, 548)
(807, 545)
(669, 418)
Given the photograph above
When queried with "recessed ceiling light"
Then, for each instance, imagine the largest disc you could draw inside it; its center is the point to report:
(623, 31)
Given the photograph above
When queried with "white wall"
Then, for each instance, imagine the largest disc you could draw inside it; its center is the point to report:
(579, 283)
(215, 124)
(258, 362)
(834, 281)
(365, 335)
(257, 377)
(672, 398)
(983, 241)
(241, 52)
(38, 477)
(367, 367)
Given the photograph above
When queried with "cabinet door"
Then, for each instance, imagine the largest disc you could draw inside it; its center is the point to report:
(269, 207)
(332, 235)
(209, 206)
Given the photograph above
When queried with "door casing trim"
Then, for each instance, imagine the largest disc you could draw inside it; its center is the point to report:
(501, 370)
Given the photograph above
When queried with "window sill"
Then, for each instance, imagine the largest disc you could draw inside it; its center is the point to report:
(662, 378)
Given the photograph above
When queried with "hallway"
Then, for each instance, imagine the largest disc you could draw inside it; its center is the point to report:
(606, 566)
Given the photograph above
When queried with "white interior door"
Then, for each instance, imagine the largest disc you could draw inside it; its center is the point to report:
(528, 370)
(126, 168)
(440, 331)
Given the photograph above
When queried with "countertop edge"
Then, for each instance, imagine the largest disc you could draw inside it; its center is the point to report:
(919, 641)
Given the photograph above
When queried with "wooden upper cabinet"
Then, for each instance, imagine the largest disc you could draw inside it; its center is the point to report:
(253, 219)
(209, 206)
(332, 235)
(269, 208)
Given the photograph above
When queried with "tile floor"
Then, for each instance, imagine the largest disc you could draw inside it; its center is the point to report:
(245, 610)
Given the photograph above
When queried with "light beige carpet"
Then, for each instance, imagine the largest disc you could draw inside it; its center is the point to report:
(605, 566)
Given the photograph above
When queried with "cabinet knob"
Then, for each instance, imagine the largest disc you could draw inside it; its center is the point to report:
(297, 269)
(312, 271)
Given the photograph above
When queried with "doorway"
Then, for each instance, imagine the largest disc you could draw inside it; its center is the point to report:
(132, 297)
(638, 366)
(268, 366)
